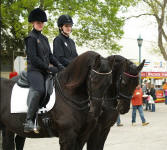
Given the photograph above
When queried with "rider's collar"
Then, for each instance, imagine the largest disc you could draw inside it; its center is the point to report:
(65, 35)
(37, 32)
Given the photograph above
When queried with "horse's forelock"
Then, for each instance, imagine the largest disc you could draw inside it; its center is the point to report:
(132, 68)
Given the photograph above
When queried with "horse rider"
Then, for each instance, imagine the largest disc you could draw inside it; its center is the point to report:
(63, 46)
(40, 61)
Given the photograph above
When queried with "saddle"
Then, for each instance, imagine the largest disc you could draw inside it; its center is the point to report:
(24, 83)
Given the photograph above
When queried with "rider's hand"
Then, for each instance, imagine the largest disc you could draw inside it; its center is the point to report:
(53, 70)
(61, 67)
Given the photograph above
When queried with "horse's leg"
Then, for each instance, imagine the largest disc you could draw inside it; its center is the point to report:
(19, 141)
(68, 140)
(89, 127)
(99, 135)
(97, 138)
(7, 140)
(93, 140)
(0, 140)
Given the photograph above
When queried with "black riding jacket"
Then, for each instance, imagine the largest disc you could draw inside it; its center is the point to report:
(38, 52)
(64, 49)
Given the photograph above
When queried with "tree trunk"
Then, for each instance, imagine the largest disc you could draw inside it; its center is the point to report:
(159, 10)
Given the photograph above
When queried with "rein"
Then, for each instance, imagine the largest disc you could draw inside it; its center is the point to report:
(84, 105)
(74, 103)
(109, 102)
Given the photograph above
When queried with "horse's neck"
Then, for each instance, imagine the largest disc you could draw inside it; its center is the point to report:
(110, 97)
(78, 93)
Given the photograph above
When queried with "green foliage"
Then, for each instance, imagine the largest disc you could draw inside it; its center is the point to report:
(97, 24)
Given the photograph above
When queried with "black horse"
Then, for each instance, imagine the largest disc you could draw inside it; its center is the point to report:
(82, 83)
(117, 99)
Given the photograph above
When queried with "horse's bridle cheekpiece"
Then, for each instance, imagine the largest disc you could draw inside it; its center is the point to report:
(74, 103)
(118, 86)
(90, 87)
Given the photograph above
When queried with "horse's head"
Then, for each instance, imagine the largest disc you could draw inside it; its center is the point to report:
(125, 79)
(128, 80)
(91, 74)
(99, 80)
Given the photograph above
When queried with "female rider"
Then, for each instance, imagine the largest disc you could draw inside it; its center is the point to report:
(40, 61)
(63, 46)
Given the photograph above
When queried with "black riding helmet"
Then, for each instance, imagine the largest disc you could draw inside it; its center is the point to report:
(64, 19)
(37, 15)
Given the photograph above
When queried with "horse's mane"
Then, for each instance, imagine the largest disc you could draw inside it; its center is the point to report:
(76, 72)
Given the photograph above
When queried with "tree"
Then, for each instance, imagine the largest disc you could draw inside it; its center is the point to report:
(14, 26)
(158, 9)
(97, 24)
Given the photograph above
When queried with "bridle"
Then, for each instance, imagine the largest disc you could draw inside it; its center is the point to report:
(81, 106)
(75, 103)
(119, 94)
(91, 97)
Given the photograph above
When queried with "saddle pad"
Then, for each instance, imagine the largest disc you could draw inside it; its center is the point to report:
(19, 100)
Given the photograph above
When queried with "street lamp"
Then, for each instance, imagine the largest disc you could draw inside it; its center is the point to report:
(139, 41)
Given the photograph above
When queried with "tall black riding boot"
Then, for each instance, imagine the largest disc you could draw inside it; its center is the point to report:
(33, 105)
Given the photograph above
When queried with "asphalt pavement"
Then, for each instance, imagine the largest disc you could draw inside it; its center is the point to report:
(128, 137)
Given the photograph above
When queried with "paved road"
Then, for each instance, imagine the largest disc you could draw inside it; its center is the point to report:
(128, 137)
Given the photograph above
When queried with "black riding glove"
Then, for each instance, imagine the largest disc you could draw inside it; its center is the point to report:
(53, 70)
(61, 67)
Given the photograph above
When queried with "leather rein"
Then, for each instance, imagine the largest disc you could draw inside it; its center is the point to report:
(84, 105)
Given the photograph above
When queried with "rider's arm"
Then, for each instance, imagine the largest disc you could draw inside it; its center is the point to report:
(59, 52)
(32, 54)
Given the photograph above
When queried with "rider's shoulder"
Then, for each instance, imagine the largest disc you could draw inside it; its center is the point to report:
(44, 37)
(57, 39)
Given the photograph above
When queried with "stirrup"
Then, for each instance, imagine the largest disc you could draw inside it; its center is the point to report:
(36, 126)
(27, 128)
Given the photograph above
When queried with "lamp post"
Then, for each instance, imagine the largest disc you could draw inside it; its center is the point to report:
(140, 41)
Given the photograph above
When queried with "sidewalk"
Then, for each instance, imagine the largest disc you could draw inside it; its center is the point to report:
(128, 137)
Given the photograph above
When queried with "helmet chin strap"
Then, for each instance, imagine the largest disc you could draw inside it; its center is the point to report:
(64, 32)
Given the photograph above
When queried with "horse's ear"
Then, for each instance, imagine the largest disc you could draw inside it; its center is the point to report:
(97, 62)
(140, 67)
(111, 60)
(125, 63)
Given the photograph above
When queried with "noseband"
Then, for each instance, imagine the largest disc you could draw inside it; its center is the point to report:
(126, 97)
(90, 86)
